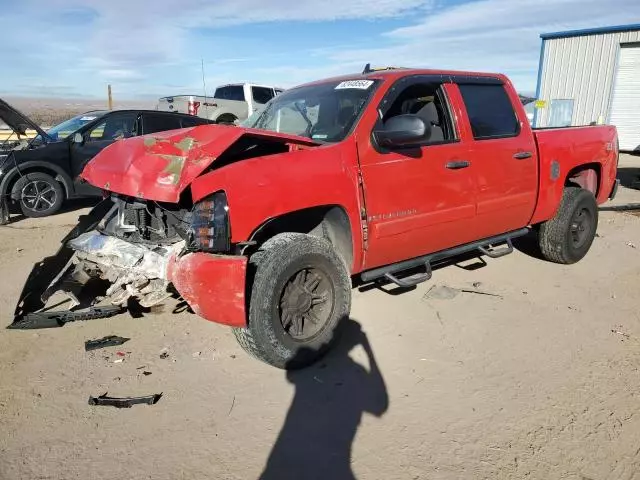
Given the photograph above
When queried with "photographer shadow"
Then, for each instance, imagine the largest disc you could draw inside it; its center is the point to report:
(330, 399)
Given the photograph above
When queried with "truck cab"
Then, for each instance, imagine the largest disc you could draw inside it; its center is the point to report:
(230, 104)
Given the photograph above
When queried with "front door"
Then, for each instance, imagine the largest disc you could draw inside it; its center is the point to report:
(112, 127)
(418, 200)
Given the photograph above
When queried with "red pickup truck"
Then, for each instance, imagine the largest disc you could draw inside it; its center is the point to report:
(371, 177)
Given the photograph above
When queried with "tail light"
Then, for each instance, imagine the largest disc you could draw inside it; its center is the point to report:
(193, 107)
(210, 230)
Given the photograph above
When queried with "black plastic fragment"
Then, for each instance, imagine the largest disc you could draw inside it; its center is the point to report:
(108, 341)
(58, 319)
(124, 402)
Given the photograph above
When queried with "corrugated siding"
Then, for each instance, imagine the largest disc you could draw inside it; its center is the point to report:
(625, 102)
(582, 69)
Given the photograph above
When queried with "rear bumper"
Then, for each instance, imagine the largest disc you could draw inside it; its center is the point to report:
(213, 285)
(614, 189)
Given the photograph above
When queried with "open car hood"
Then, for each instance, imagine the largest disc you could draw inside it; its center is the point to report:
(17, 121)
(160, 166)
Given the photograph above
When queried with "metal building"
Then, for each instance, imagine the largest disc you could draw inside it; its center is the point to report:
(591, 76)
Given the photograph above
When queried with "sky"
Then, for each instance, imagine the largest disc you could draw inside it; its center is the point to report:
(151, 48)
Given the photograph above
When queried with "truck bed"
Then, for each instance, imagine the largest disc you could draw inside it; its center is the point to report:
(564, 150)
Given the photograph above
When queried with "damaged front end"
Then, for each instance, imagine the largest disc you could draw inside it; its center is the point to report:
(117, 256)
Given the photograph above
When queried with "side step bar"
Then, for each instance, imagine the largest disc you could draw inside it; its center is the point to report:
(485, 247)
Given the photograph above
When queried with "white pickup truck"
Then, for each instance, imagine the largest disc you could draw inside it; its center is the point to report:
(230, 103)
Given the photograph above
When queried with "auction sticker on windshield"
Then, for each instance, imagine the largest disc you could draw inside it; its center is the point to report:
(360, 84)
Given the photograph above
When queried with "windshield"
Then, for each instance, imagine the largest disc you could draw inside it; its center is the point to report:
(66, 128)
(325, 112)
(251, 119)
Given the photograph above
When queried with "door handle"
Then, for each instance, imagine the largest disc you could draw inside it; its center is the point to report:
(522, 155)
(458, 164)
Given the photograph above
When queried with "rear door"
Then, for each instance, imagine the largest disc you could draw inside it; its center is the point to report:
(418, 200)
(503, 153)
(112, 127)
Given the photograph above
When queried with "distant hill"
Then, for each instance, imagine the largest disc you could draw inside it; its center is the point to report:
(51, 111)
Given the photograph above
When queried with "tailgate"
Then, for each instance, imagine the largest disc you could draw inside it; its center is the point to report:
(178, 104)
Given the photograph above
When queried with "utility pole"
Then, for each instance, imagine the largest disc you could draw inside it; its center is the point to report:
(110, 99)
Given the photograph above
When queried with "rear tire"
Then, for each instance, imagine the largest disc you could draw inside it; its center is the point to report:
(41, 195)
(301, 290)
(226, 119)
(567, 237)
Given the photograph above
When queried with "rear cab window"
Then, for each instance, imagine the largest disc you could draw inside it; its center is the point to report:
(490, 111)
(230, 92)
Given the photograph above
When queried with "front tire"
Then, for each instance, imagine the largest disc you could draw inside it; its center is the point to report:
(301, 290)
(41, 195)
(567, 237)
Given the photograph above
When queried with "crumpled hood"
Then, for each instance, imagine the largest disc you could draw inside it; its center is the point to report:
(160, 166)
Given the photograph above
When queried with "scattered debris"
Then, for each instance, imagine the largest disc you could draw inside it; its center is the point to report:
(108, 341)
(120, 354)
(317, 379)
(232, 356)
(124, 402)
(233, 402)
(146, 373)
(477, 284)
(479, 292)
(618, 332)
(524, 292)
(120, 360)
(443, 292)
(19, 249)
(141, 367)
(196, 354)
(631, 244)
(164, 355)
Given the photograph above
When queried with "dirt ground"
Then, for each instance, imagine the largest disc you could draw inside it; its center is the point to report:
(540, 380)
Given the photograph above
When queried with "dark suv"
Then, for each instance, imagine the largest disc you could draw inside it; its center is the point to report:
(38, 174)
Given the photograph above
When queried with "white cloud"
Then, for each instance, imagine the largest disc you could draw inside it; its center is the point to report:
(149, 46)
(491, 35)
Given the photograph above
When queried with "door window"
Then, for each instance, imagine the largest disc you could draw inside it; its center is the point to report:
(425, 100)
(159, 123)
(114, 127)
(490, 111)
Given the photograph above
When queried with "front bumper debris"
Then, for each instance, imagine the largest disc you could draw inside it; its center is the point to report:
(124, 402)
(53, 319)
(97, 275)
(93, 275)
(132, 270)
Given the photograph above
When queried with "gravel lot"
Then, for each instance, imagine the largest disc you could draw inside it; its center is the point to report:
(539, 380)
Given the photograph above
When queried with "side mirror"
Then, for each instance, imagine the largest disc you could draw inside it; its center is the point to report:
(78, 138)
(403, 131)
